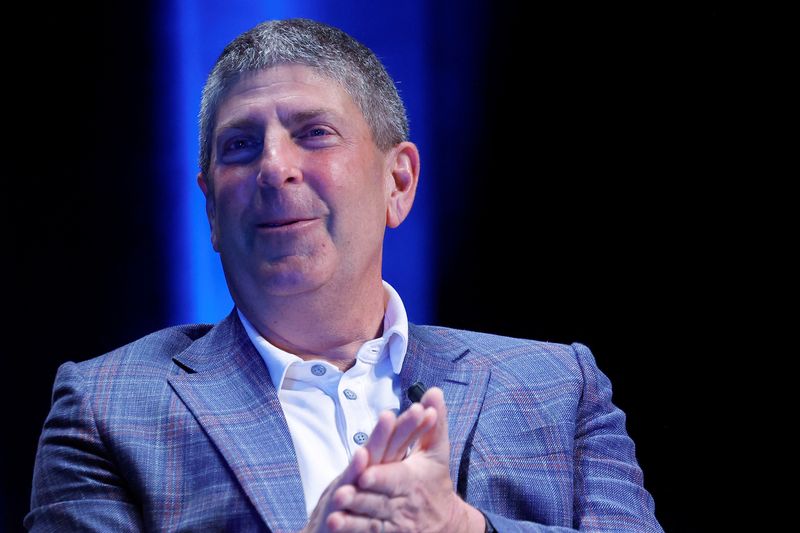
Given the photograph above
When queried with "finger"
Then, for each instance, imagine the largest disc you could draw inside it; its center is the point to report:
(405, 424)
(363, 503)
(379, 438)
(358, 463)
(406, 427)
(428, 423)
(341, 521)
(326, 502)
(341, 498)
(389, 479)
(437, 439)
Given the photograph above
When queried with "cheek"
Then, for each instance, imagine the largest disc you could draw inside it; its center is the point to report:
(355, 185)
(233, 194)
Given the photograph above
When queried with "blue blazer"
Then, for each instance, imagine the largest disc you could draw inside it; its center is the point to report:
(182, 430)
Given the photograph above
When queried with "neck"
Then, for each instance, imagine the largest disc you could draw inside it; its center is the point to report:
(328, 323)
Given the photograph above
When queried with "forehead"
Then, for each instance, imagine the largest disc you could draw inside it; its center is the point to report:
(285, 87)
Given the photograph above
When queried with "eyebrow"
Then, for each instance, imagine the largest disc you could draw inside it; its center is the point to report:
(238, 124)
(293, 117)
(298, 117)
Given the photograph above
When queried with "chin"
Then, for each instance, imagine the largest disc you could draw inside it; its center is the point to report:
(288, 286)
(292, 279)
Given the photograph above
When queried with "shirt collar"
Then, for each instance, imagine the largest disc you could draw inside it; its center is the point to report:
(395, 328)
(278, 361)
(395, 338)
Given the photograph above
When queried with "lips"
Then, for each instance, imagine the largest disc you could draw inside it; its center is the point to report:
(276, 224)
(283, 222)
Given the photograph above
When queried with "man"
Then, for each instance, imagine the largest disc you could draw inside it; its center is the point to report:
(295, 412)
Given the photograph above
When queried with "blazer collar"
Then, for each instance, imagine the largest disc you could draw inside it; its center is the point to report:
(228, 389)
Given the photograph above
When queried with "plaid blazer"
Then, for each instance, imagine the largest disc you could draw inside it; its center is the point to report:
(182, 430)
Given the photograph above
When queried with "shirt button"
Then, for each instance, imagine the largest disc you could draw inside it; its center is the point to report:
(350, 395)
(318, 370)
(360, 438)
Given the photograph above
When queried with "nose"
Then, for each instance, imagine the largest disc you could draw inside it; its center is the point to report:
(280, 163)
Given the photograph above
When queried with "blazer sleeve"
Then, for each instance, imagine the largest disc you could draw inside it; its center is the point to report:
(609, 495)
(76, 486)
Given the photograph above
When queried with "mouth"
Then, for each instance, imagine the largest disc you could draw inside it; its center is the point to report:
(285, 223)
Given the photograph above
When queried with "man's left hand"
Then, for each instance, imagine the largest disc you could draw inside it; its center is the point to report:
(414, 494)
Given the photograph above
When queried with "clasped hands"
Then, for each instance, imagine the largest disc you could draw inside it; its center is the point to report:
(386, 489)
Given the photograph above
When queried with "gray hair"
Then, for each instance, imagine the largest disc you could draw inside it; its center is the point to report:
(330, 51)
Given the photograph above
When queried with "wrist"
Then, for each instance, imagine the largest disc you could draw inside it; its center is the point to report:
(473, 521)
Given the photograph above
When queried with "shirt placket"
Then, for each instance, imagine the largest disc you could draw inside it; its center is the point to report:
(353, 398)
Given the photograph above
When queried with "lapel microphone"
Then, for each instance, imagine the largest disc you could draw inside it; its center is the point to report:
(416, 391)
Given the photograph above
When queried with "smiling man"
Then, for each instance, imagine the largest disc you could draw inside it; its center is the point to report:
(299, 196)
(306, 409)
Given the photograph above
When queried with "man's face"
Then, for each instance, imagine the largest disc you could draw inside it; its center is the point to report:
(299, 191)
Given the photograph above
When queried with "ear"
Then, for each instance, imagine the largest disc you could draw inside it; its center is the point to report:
(404, 172)
(211, 208)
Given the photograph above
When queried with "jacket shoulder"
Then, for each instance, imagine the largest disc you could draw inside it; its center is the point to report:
(515, 363)
(152, 352)
(496, 348)
(129, 383)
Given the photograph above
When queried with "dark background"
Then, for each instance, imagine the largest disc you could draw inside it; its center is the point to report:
(588, 198)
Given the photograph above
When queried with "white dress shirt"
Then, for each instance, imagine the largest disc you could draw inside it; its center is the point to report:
(331, 413)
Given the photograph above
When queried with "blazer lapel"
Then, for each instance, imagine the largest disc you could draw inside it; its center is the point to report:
(228, 389)
(436, 358)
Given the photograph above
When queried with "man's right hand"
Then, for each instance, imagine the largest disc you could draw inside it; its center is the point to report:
(388, 443)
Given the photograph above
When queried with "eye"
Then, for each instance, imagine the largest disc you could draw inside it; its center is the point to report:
(316, 132)
(240, 144)
(240, 150)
